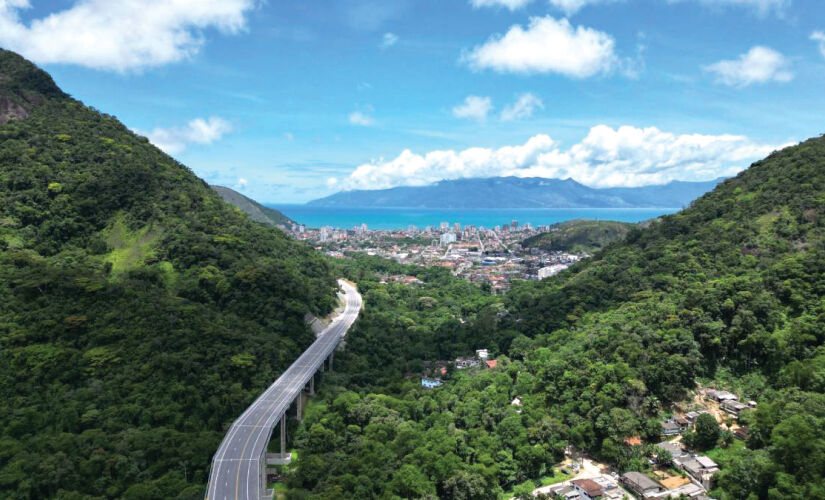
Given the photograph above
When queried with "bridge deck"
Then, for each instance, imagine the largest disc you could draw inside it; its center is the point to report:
(237, 465)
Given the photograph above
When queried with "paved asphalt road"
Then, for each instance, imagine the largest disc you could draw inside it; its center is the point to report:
(236, 466)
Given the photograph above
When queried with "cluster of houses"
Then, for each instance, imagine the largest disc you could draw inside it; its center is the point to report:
(729, 402)
(482, 358)
(700, 468)
(646, 488)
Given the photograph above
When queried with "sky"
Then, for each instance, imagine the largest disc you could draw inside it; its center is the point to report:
(288, 101)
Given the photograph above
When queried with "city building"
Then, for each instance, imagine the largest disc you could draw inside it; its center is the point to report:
(447, 238)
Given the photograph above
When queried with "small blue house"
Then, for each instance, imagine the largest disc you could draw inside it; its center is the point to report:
(430, 383)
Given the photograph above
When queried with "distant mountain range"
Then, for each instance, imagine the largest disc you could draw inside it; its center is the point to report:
(516, 192)
(252, 208)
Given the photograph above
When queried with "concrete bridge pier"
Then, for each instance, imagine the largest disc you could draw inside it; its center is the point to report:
(283, 436)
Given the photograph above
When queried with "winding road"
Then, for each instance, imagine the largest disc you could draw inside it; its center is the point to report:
(238, 465)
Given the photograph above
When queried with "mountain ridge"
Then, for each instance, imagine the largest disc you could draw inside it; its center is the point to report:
(255, 210)
(518, 192)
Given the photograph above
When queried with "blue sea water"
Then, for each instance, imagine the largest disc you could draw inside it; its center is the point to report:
(401, 218)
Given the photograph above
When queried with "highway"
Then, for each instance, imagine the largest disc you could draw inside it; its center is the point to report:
(238, 464)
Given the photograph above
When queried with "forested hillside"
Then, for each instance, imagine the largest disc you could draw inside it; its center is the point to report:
(139, 313)
(728, 291)
(579, 236)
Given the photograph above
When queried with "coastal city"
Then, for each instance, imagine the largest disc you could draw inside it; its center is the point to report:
(492, 257)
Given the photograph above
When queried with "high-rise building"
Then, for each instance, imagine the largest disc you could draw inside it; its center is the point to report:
(457, 227)
(514, 225)
(447, 238)
(444, 226)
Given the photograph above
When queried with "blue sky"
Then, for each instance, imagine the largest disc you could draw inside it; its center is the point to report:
(289, 101)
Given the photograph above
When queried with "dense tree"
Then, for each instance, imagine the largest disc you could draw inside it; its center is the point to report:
(706, 431)
(139, 313)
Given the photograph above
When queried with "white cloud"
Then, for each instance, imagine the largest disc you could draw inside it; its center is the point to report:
(524, 107)
(570, 7)
(119, 35)
(362, 119)
(289, 136)
(474, 108)
(510, 4)
(819, 36)
(388, 40)
(762, 7)
(547, 45)
(606, 157)
(242, 183)
(197, 131)
(758, 65)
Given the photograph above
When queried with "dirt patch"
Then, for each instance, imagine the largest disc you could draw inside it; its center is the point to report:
(10, 110)
(673, 482)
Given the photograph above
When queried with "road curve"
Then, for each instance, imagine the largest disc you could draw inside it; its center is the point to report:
(238, 463)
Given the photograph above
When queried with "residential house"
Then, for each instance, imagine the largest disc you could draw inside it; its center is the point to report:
(641, 484)
(588, 489)
(701, 469)
(675, 449)
(610, 489)
(671, 428)
(691, 416)
(565, 491)
(733, 407)
(466, 362)
(720, 396)
(688, 490)
(633, 441)
(430, 383)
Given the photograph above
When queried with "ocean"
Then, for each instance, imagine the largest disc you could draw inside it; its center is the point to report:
(401, 218)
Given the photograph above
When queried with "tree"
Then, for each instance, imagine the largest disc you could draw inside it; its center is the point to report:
(663, 457)
(707, 431)
(410, 482)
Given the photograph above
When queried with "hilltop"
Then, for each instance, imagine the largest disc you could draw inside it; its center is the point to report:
(579, 236)
(516, 192)
(139, 313)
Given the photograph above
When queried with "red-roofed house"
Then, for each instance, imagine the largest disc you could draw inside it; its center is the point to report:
(633, 441)
(492, 363)
(588, 488)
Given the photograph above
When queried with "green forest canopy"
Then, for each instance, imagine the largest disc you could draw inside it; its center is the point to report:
(579, 236)
(132, 299)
